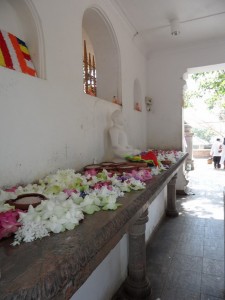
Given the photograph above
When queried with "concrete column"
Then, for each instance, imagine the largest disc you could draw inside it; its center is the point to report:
(137, 285)
(189, 140)
(171, 210)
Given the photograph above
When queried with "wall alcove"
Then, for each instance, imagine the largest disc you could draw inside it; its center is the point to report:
(21, 19)
(102, 43)
(137, 95)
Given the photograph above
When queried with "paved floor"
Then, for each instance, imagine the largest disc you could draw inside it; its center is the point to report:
(185, 259)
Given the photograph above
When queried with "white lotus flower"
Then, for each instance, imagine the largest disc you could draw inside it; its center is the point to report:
(155, 171)
(5, 207)
(50, 216)
(109, 203)
(4, 196)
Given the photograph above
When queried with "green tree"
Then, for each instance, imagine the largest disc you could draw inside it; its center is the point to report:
(210, 86)
(205, 134)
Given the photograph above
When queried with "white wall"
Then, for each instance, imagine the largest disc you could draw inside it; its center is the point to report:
(165, 86)
(155, 213)
(50, 124)
(110, 274)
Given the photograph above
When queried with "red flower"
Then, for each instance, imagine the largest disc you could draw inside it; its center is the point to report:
(8, 222)
(150, 156)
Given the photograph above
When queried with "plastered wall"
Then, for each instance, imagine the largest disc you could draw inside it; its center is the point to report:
(165, 86)
(46, 124)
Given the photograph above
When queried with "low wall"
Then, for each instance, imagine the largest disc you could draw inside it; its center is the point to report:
(201, 153)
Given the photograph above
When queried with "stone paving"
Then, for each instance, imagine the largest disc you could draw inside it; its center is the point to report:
(185, 257)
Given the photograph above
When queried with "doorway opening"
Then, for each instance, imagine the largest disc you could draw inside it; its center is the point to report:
(204, 111)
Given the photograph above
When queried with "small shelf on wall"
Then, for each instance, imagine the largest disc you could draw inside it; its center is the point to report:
(137, 96)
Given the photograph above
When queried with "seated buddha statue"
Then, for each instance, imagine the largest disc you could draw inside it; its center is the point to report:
(118, 137)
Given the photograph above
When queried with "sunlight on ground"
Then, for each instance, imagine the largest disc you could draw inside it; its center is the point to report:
(207, 185)
(209, 210)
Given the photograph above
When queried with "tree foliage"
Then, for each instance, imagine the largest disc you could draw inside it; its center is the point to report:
(204, 133)
(209, 86)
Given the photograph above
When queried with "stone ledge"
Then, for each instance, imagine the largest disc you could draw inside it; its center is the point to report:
(56, 266)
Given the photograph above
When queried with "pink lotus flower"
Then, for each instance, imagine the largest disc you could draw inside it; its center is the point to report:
(11, 190)
(99, 185)
(69, 191)
(91, 172)
(145, 175)
(8, 222)
(142, 175)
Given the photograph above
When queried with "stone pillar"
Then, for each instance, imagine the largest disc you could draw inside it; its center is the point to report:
(171, 210)
(137, 285)
(189, 140)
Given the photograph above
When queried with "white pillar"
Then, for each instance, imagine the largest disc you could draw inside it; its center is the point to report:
(189, 140)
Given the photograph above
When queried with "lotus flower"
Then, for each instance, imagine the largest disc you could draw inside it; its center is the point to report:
(8, 223)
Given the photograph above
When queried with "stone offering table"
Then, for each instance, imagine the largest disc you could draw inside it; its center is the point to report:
(56, 266)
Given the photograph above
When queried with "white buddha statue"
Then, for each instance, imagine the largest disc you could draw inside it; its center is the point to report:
(118, 137)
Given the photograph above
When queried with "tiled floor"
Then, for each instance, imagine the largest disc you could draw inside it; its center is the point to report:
(185, 257)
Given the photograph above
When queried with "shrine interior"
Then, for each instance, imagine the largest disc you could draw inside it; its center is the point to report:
(65, 68)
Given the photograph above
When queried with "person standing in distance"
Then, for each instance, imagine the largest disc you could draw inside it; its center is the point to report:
(216, 153)
(222, 160)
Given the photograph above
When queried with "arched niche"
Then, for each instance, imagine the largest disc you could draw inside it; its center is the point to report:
(137, 95)
(104, 44)
(21, 19)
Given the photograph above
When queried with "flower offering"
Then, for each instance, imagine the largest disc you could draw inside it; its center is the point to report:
(66, 196)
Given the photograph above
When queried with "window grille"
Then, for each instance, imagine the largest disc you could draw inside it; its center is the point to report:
(89, 73)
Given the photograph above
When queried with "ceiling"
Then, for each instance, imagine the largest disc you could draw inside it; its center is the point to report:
(199, 21)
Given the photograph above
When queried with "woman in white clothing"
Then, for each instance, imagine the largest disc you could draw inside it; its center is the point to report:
(216, 153)
(222, 160)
